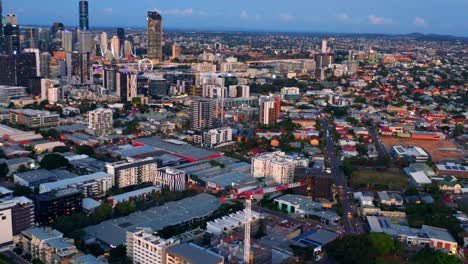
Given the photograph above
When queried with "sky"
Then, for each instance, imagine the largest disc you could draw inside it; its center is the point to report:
(346, 16)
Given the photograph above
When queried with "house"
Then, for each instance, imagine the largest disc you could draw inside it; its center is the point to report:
(390, 198)
(450, 184)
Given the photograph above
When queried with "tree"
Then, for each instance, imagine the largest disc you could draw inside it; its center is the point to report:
(84, 149)
(3, 170)
(61, 149)
(118, 255)
(431, 256)
(103, 212)
(132, 127)
(52, 133)
(53, 161)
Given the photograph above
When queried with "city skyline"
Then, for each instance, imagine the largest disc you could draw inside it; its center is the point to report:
(398, 17)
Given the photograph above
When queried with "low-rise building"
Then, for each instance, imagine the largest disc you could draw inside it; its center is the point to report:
(92, 185)
(49, 206)
(133, 195)
(33, 118)
(214, 137)
(191, 254)
(452, 169)
(171, 178)
(227, 224)
(305, 206)
(412, 153)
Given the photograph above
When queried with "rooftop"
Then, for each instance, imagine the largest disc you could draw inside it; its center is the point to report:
(195, 254)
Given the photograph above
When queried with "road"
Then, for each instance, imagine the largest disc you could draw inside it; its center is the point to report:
(13, 257)
(352, 225)
(378, 144)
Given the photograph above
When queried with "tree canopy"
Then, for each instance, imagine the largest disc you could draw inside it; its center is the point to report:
(53, 161)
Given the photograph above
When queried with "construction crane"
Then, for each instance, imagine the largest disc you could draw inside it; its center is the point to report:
(248, 209)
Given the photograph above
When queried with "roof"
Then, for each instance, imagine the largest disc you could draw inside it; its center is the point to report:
(420, 177)
(86, 259)
(182, 150)
(438, 233)
(113, 232)
(195, 254)
(34, 176)
(42, 233)
(59, 243)
(318, 237)
(127, 195)
(46, 187)
(90, 204)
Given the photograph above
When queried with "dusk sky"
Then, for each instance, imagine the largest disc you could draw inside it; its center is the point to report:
(350, 16)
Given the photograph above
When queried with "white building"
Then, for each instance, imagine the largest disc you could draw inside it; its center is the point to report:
(132, 172)
(145, 248)
(277, 165)
(100, 122)
(92, 185)
(16, 215)
(239, 91)
(268, 110)
(171, 178)
(214, 137)
(230, 222)
(204, 67)
(213, 91)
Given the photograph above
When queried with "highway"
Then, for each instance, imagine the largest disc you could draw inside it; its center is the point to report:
(352, 225)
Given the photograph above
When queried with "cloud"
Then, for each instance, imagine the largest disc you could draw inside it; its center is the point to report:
(286, 17)
(177, 12)
(343, 17)
(378, 20)
(244, 14)
(419, 22)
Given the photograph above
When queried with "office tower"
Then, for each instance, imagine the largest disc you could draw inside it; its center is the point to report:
(110, 78)
(126, 85)
(202, 114)
(67, 41)
(104, 44)
(171, 179)
(84, 18)
(85, 39)
(12, 38)
(132, 172)
(121, 36)
(49, 206)
(45, 65)
(323, 60)
(100, 122)
(80, 67)
(128, 49)
(175, 50)
(16, 70)
(12, 19)
(16, 215)
(115, 47)
(44, 39)
(324, 46)
(144, 247)
(154, 44)
(269, 110)
(37, 57)
(32, 38)
(239, 91)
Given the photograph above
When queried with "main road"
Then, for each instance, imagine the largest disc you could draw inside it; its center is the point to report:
(351, 224)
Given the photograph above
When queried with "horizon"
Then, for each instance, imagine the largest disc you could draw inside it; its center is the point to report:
(369, 17)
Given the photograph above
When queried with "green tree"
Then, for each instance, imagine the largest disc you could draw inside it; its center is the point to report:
(53, 161)
(103, 212)
(84, 149)
(61, 149)
(431, 256)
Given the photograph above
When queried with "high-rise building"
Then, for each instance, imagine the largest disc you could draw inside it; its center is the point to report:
(269, 110)
(86, 41)
(104, 43)
(2, 33)
(32, 38)
(45, 65)
(175, 50)
(145, 248)
(171, 178)
(49, 206)
(44, 39)
(121, 36)
(155, 40)
(12, 19)
(126, 85)
(100, 122)
(67, 41)
(56, 28)
(277, 165)
(12, 39)
(16, 215)
(84, 17)
(324, 46)
(17, 69)
(110, 78)
(115, 47)
(128, 49)
(132, 172)
(202, 114)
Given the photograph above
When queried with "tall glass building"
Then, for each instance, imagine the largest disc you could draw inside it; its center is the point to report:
(84, 17)
(154, 36)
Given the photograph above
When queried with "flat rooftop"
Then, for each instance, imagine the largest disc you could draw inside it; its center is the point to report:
(113, 232)
(195, 254)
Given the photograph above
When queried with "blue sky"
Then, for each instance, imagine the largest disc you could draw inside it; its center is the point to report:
(352, 16)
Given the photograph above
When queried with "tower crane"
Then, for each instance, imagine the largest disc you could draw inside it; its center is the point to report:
(248, 209)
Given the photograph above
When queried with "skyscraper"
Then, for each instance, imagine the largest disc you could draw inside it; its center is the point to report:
(269, 110)
(175, 50)
(2, 36)
(67, 41)
(202, 114)
(154, 44)
(12, 19)
(84, 18)
(115, 47)
(86, 41)
(104, 43)
(121, 36)
(12, 35)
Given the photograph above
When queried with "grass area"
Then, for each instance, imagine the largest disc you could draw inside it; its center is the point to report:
(378, 180)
